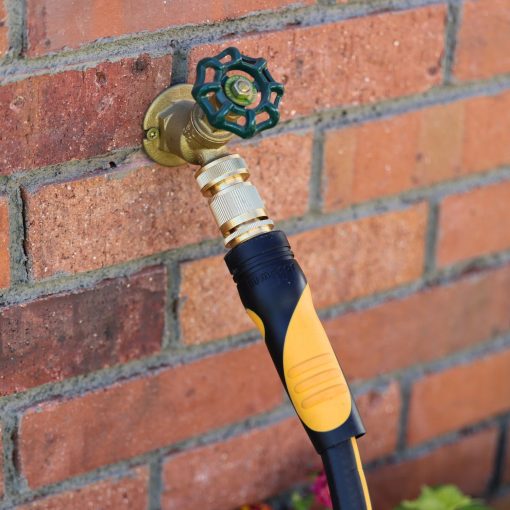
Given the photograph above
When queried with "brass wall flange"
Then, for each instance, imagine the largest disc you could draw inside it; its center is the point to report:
(152, 124)
(177, 130)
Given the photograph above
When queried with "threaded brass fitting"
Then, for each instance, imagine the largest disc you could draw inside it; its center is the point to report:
(234, 202)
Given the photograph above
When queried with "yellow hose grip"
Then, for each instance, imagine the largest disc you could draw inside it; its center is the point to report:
(315, 382)
(314, 379)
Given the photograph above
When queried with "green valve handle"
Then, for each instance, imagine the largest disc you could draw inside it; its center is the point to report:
(229, 98)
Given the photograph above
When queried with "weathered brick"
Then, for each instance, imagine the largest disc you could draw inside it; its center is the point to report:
(5, 268)
(55, 24)
(76, 333)
(467, 463)
(500, 502)
(4, 31)
(77, 114)
(1, 464)
(459, 396)
(420, 148)
(246, 468)
(357, 258)
(483, 40)
(207, 292)
(136, 210)
(342, 262)
(389, 156)
(357, 71)
(471, 224)
(423, 327)
(268, 460)
(380, 412)
(91, 223)
(64, 438)
(280, 167)
(129, 492)
(506, 468)
(486, 127)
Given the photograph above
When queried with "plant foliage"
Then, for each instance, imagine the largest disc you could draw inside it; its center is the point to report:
(445, 497)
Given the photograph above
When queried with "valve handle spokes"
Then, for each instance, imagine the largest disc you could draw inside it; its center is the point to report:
(230, 100)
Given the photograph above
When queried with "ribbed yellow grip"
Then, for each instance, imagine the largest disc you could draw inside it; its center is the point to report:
(314, 379)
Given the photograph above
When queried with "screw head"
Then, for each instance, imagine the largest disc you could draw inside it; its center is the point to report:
(152, 133)
(240, 90)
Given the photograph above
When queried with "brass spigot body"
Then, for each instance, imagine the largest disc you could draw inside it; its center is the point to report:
(184, 135)
(193, 124)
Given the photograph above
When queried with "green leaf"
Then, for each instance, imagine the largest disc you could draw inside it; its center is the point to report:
(446, 497)
(301, 503)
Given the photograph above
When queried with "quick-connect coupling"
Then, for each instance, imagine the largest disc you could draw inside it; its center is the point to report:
(234, 202)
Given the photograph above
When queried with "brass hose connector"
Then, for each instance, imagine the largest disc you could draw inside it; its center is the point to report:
(235, 203)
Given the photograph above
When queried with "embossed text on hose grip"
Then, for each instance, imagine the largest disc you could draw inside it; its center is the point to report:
(276, 295)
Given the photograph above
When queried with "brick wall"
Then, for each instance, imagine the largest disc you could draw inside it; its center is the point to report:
(129, 374)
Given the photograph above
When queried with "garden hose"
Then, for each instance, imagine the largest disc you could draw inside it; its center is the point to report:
(235, 94)
(277, 297)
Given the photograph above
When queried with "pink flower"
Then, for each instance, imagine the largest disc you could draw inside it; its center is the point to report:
(321, 491)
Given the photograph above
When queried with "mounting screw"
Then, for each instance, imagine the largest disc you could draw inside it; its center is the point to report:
(152, 133)
(240, 90)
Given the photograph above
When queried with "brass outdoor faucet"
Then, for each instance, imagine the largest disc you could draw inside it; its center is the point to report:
(233, 95)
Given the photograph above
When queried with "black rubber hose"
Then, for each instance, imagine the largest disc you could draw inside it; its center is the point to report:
(345, 476)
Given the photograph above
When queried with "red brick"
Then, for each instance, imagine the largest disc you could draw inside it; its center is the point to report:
(342, 262)
(467, 463)
(136, 210)
(266, 461)
(459, 396)
(420, 148)
(354, 259)
(483, 41)
(76, 333)
(243, 469)
(356, 72)
(91, 223)
(4, 31)
(380, 412)
(500, 502)
(77, 114)
(486, 126)
(207, 292)
(506, 467)
(55, 24)
(280, 167)
(5, 270)
(64, 438)
(129, 492)
(389, 156)
(472, 224)
(423, 327)
(1, 464)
